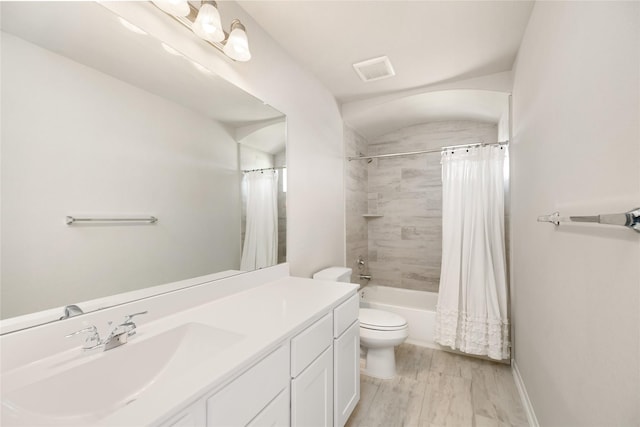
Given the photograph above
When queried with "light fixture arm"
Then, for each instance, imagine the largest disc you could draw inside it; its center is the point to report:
(236, 24)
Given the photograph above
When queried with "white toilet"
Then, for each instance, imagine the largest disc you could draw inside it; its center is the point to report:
(380, 331)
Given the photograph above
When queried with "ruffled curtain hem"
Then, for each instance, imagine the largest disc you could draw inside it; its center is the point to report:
(484, 336)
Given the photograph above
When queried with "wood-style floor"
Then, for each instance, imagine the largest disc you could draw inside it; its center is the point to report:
(434, 388)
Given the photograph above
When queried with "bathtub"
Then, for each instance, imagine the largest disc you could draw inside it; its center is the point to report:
(418, 307)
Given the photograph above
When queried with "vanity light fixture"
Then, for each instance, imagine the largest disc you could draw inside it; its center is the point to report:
(205, 23)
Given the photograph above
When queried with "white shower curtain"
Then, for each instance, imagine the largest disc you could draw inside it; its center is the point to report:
(471, 315)
(260, 247)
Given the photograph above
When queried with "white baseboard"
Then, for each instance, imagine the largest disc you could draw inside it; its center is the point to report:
(524, 397)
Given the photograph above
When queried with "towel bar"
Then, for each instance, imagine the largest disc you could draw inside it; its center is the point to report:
(629, 219)
(72, 219)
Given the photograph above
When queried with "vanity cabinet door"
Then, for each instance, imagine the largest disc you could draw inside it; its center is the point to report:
(276, 414)
(312, 393)
(346, 359)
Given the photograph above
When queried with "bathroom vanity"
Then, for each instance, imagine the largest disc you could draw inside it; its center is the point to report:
(263, 349)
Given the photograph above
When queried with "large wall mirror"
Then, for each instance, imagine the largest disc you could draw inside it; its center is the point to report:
(101, 121)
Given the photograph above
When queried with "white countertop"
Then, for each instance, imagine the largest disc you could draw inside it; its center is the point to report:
(266, 316)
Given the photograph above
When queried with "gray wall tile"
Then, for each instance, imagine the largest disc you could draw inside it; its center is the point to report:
(405, 246)
(357, 200)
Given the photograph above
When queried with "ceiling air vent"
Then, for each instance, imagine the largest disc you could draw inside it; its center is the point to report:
(374, 69)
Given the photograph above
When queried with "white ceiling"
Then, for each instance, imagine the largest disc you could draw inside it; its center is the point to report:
(478, 105)
(429, 43)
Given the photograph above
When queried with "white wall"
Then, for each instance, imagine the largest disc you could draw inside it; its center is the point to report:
(68, 147)
(250, 158)
(576, 149)
(315, 196)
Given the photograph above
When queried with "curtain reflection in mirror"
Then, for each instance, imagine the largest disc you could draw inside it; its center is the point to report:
(260, 248)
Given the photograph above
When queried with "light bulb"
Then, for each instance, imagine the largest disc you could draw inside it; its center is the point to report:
(174, 7)
(237, 45)
(207, 24)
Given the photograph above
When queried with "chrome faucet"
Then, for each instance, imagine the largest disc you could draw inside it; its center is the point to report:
(118, 336)
(361, 266)
(127, 326)
(92, 340)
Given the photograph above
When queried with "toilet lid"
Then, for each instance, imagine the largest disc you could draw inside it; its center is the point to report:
(378, 319)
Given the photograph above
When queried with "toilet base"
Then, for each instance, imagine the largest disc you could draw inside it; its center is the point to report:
(380, 363)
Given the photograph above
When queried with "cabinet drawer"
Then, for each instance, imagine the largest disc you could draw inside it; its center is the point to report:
(345, 314)
(244, 398)
(310, 343)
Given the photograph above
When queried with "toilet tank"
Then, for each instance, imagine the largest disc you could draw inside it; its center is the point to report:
(334, 274)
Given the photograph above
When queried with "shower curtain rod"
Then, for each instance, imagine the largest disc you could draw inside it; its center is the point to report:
(434, 150)
(264, 169)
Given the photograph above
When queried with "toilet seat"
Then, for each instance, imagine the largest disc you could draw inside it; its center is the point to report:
(376, 338)
(379, 320)
(382, 328)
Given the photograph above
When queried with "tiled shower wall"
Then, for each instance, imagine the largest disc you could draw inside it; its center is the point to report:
(405, 244)
(356, 201)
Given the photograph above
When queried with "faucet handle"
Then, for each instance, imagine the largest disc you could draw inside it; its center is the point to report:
(92, 340)
(129, 324)
(91, 329)
(128, 317)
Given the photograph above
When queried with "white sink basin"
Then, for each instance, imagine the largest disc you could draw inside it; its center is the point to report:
(102, 383)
